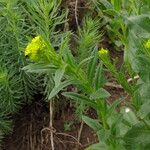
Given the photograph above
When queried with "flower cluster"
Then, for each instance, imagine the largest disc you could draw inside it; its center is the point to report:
(147, 45)
(103, 54)
(35, 48)
(103, 51)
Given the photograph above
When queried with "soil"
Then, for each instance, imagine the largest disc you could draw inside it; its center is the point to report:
(31, 130)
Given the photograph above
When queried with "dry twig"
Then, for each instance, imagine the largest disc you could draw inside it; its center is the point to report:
(51, 123)
(76, 14)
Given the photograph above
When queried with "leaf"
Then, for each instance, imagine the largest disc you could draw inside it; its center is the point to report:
(80, 97)
(113, 106)
(100, 94)
(39, 68)
(94, 124)
(92, 66)
(66, 52)
(57, 89)
(98, 146)
(138, 137)
(111, 12)
(129, 116)
(116, 4)
(144, 110)
(106, 4)
(103, 135)
(99, 77)
(58, 76)
(139, 24)
(83, 62)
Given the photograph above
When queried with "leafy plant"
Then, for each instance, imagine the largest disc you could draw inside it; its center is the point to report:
(19, 20)
(51, 58)
(113, 129)
(68, 125)
(115, 14)
(16, 86)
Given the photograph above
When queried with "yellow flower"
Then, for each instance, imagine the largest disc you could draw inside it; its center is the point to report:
(35, 49)
(103, 53)
(147, 45)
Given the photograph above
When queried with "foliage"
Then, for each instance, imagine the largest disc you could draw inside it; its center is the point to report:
(19, 20)
(115, 14)
(50, 55)
(114, 130)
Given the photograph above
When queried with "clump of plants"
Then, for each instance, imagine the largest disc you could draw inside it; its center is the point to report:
(85, 71)
(20, 21)
(49, 53)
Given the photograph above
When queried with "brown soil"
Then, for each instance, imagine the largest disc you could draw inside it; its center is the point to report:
(31, 131)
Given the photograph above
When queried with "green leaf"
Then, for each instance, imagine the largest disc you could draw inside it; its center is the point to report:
(39, 68)
(98, 146)
(103, 135)
(83, 62)
(92, 66)
(100, 94)
(116, 4)
(99, 77)
(106, 4)
(66, 52)
(139, 24)
(111, 12)
(138, 138)
(113, 106)
(144, 110)
(58, 76)
(57, 89)
(92, 123)
(129, 116)
(81, 98)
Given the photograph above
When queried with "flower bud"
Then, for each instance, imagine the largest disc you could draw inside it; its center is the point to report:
(147, 45)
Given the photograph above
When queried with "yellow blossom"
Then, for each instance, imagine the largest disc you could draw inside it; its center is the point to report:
(103, 53)
(147, 45)
(35, 49)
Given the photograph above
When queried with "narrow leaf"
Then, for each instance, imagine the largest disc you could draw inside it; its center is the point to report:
(57, 89)
(81, 98)
(100, 94)
(94, 124)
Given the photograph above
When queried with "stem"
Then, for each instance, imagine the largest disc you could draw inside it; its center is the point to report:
(79, 134)
(51, 123)
(76, 14)
(101, 113)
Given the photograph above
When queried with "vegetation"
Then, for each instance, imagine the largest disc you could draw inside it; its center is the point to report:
(36, 56)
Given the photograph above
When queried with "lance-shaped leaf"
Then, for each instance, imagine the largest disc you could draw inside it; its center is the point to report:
(79, 97)
(100, 94)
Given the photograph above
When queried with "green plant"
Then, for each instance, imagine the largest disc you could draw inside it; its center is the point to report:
(16, 86)
(115, 130)
(56, 67)
(19, 20)
(115, 14)
(68, 125)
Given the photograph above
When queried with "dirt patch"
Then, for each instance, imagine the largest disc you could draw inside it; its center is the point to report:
(31, 130)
